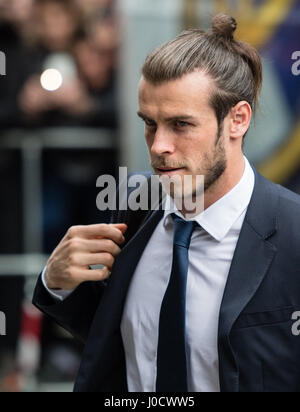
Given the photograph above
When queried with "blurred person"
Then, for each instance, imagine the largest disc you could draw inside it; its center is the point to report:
(16, 12)
(70, 105)
(97, 70)
(90, 99)
(94, 67)
(82, 100)
(104, 34)
(14, 20)
(90, 7)
(180, 304)
(85, 99)
(56, 23)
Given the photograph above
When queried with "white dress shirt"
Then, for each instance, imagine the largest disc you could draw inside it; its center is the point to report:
(210, 255)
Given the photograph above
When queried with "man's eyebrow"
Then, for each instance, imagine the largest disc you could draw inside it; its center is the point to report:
(181, 117)
(143, 116)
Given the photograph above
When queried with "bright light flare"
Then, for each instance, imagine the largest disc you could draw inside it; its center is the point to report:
(51, 80)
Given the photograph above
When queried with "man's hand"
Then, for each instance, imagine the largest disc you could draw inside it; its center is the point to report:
(33, 99)
(82, 247)
(72, 97)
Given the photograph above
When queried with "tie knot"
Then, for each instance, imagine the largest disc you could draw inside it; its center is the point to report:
(183, 231)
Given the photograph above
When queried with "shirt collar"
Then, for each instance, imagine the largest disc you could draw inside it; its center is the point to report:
(219, 218)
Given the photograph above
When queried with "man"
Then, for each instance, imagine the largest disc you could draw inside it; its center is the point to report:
(200, 304)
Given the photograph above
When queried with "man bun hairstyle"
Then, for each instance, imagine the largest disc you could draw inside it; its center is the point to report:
(224, 26)
(234, 66)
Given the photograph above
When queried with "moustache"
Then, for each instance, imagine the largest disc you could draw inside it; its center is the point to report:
(162, 164)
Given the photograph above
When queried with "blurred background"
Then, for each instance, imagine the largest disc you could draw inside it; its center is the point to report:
(68, 107)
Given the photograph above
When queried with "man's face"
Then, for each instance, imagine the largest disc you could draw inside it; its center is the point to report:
(56, 25)
(181, 130)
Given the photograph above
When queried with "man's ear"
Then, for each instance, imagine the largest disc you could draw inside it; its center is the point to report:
(240, 119)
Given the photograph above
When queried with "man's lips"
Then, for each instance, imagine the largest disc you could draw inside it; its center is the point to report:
(168, 170)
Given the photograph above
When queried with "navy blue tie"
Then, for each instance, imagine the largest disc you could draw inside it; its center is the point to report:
(172, 373)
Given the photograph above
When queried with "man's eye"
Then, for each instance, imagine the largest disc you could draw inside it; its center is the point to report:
(149, 123)
(180, 124)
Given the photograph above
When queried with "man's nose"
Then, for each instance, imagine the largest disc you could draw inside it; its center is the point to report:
(162, 143)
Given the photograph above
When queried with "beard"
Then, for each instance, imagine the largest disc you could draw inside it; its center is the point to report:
(213, 167)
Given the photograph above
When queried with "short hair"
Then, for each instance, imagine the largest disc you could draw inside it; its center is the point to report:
(234, 66)
(69, 5)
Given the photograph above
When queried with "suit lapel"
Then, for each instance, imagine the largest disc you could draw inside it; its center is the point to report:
(252, 259)
(123, 271)
(140, 230)
(128, 259)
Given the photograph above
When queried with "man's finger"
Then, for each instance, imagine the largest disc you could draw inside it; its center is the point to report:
(92, 259)
(94, 246)
(121, 226)
(96, 275)
(97, 232)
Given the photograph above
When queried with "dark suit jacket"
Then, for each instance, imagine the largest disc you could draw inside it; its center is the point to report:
(257, 349)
